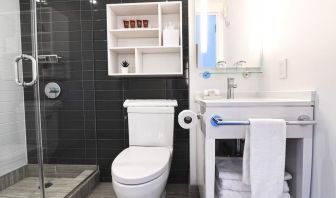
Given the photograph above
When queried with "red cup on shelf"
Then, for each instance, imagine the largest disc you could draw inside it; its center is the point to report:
(126, 24)
(139, 23)
(145, 23)
(132, 22)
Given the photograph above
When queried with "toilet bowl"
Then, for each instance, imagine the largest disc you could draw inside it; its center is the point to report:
(142, 170)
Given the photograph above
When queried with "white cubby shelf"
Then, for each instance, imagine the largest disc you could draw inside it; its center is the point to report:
(143, 47)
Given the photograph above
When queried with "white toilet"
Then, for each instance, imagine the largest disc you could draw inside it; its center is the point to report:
(142, 169)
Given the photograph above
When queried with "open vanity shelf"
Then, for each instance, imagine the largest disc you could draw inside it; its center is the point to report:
(143, 48)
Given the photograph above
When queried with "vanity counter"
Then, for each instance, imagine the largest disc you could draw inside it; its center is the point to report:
(254, 102)
(303, 98)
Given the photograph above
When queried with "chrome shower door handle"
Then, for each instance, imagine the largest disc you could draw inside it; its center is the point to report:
(16, 70)
(34, 70)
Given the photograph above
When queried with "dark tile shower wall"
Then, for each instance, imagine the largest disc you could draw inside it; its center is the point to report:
(65, 28)
(87, 123)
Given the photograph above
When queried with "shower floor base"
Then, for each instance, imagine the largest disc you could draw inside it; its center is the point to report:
(57, 186)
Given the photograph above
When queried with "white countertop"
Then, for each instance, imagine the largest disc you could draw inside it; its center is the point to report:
(306, 98)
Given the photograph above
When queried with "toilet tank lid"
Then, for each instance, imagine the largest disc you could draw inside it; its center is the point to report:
(150, 103)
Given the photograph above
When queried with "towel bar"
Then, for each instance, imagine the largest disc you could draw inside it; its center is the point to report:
(302, 120)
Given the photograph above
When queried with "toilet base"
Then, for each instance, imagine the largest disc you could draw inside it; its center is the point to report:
(152, 189)
(163, 194)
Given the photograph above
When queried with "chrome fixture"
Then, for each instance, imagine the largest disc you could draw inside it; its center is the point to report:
(34, 70)
(221, 64)
(216, 121)
(94, 2)
(52, 58)
(302, 120)
(44, 2)
(231, 85)
(241, 63)
(52, 90)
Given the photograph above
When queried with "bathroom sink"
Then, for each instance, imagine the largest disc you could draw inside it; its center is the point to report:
(253, 102)
(262, 99)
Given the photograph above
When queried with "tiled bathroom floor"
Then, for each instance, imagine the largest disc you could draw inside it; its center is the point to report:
(104, 190)
(28, 187)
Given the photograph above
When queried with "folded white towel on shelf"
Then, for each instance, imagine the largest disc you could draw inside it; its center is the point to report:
(264, 157)
(236, 185)
(235, 194)
(230, 168)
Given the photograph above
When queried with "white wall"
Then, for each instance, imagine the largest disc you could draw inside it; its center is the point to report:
(13, 152)
(304, 31)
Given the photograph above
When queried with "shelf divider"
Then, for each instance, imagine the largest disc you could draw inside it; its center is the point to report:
(135, 33)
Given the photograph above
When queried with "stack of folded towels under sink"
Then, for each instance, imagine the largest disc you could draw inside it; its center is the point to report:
(229, 179)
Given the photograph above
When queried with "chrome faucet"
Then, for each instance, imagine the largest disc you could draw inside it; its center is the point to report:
(231, 85)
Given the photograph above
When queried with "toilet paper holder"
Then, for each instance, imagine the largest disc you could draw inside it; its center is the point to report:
(188, 119)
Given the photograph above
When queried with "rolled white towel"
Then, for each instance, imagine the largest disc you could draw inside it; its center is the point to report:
(231, 168)
(235, 194)
(235, 185)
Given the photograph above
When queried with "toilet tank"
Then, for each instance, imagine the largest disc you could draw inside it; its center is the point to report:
(150, 122)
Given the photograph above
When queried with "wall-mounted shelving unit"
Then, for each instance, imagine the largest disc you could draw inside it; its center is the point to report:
(143, 47)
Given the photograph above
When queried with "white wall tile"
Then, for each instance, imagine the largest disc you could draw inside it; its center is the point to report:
(13, 148)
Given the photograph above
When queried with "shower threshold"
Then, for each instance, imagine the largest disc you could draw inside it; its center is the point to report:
(70, 181)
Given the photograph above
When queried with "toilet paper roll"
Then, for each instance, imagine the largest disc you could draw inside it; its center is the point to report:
(187, 119)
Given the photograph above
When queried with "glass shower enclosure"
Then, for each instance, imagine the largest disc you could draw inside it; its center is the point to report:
(46, 149)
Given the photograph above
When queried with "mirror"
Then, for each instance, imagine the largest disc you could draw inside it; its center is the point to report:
(228, 34)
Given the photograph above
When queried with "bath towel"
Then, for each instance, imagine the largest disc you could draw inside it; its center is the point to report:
(235, 194)
(239, 186)
(230, 168)
(264, 157)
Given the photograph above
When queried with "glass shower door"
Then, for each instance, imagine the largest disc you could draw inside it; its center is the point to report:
(67, 87)
(21, 149)
(48, 140)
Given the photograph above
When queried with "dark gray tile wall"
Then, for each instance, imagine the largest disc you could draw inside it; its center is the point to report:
(87, 123)
(68, 122)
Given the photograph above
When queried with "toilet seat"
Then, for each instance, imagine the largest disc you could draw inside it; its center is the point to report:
(138, 165)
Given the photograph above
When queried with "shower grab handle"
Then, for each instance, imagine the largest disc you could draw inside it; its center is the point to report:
(34, 70)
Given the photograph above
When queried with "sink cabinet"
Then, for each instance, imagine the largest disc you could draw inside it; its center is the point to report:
(299, 138)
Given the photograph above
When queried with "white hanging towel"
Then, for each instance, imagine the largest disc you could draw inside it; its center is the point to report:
(264, 157)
